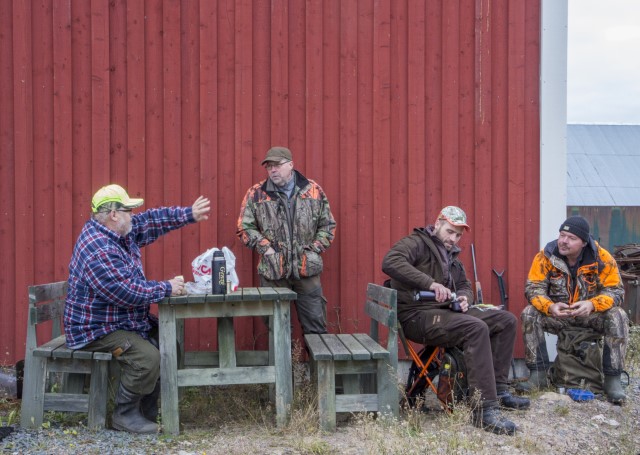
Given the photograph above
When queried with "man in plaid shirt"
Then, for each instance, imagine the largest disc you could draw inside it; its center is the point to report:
(107, 306)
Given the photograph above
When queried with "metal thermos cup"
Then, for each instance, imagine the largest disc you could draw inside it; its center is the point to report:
(218, 273)
(425, 296)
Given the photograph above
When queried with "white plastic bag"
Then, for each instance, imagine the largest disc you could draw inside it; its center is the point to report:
(201, 268)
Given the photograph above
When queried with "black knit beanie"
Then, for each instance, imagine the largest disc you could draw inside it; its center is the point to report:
(577, 226)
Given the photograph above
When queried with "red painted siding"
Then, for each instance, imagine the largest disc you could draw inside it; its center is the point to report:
(396, 107)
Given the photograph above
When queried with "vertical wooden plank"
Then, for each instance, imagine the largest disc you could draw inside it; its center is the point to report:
(100, 85)
(190, 105)
(12, 324)
(500, 153)
(134, 22)
(154, 126)
(487, 218)
(297, 87)
(263, 90)
(208, 154)
(348, 190)
(515, 141)
(381, 136)
(172, 123)
(42, 137)
(331, 133)
(365, 239)
(531, 157)
(279, 72)
(399, 162)
(82, 184)
(62, 138)
(420, 122)
(450, 107)
(23, 142)
(118, 123)
(466, 57)
(243, 132)
(431, 171)
(313, 143)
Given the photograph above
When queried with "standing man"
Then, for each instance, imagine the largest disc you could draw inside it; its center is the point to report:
(287, 220)
(107, 306)
(427, 259)
(574, 282)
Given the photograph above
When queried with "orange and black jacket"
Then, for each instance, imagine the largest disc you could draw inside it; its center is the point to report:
(597, 279)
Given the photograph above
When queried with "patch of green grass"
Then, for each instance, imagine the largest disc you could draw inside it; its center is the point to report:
(562, 410)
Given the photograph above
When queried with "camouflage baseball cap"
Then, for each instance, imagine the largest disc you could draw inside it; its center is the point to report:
(455, 216)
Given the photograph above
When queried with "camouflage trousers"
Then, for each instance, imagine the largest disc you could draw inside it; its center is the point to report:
(613, 324)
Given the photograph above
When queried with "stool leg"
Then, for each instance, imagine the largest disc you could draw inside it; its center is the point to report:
(327, 394)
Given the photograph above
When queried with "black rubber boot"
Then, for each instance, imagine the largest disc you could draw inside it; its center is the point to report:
(538, 380)
(127, 416)
(490, 419)
(509, 401)
(149, 404)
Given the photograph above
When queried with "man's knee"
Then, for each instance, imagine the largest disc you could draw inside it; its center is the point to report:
(529, 315)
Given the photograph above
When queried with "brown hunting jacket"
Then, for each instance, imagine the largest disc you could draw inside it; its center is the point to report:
(413, 264)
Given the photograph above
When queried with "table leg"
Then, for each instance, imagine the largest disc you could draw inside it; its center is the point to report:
(226, 343)
(168, 369)
(282, 360)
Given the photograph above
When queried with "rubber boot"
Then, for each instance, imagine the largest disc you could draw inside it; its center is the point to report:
(127, 417)
(613, 389)
(538, 379)
(149, 404)
(489, 418)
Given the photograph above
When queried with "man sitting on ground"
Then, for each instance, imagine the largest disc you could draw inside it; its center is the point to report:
(574, 282)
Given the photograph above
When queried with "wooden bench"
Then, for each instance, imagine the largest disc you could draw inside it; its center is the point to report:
(367, 369)
(46, 303)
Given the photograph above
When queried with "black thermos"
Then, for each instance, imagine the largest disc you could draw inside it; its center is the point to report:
(218, 273)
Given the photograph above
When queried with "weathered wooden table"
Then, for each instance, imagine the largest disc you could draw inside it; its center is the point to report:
(274, 369)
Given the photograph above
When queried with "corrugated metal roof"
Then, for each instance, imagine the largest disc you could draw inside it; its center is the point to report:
(603, 164)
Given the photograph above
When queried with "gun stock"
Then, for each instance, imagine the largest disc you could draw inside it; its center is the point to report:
(479, 298)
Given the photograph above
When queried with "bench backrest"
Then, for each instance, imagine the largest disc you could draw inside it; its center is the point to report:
(382, 306)
(46, 303)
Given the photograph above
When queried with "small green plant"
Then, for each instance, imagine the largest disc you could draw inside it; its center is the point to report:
(562, 410)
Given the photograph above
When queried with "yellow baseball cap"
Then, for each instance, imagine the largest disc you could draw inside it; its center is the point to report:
(113, 193)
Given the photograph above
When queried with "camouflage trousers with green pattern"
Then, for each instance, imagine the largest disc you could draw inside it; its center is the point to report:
(613, 324)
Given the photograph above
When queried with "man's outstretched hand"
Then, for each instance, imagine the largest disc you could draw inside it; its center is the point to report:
(201, 208)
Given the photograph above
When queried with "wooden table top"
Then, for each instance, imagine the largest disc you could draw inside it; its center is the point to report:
(239, 295)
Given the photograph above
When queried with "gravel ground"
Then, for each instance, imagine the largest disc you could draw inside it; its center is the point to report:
(554, 424)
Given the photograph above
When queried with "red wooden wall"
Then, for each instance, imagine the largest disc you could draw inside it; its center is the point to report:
(396, 107)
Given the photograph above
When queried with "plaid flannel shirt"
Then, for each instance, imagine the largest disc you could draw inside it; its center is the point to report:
(108, 290)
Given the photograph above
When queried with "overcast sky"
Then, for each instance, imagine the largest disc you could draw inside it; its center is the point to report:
(603, 74)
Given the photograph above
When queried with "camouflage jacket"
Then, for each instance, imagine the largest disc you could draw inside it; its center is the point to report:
(597, 279)
(298, 229)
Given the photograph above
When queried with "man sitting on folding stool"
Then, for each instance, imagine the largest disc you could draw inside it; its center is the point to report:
(427, 259)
